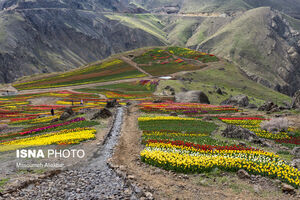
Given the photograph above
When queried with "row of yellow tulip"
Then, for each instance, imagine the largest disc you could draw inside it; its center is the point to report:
(72, 136)
(166, 118)
(191, 149)
(43, 119)
(189, 163)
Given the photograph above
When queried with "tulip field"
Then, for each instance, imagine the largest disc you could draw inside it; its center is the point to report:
(174, 59)
(188, 109)
(24, 125)
(107, 71)
(132, 90)
(185, 144)
(253, 124)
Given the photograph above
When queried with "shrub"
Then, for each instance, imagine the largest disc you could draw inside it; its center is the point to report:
(276, 125)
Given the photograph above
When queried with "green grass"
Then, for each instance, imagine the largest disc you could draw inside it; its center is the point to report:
(107, 71)
(207, 80)
(2, 183)
(183, 126)
(146, 22)
(196, 140)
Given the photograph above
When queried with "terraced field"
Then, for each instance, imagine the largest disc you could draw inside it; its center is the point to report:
(108, 71)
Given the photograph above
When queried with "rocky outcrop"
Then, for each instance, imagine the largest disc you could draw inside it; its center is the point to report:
(239, 100)
(269, 106)
(238, 132)
(296, 100)
(192, 97)
(68, 112)
(103, 113)
(296, 152)
(111, 104)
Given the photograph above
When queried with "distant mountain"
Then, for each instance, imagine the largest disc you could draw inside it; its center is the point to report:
(290, 7)
(46, 35)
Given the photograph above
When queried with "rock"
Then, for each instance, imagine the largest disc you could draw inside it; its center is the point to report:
(243, 174)
(252, 106)
(149, 195)
(219, 91)
(239, 100)
(157, 101)
(287, 188)
(284, 108)
(269, 106)
(296, 152)
(111, 104)
(257, 189)
(286, 104)
(173, 114)
(68, 112)
(64, 116)
(131, 177)
(296, 163)
(103, 113)
(168, 91)
(275, 109)
(206, 118)
(192, 97)
(296, 100)
(232, 131)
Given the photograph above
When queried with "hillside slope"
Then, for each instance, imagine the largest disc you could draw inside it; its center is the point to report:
(191, 70)
(264, 44)
(290, 7)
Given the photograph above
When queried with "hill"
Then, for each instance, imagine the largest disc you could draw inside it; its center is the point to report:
(268, 54)
(191, 70)
(290, 7)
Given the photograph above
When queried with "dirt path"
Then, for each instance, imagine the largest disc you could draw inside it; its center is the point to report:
(133, 64)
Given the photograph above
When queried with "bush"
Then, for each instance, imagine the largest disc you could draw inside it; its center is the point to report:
(276, 125)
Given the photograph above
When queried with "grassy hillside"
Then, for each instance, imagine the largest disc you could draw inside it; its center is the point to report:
(146, 22)
(230, 80)
(207, 73)
(290, 7)
(258, 46)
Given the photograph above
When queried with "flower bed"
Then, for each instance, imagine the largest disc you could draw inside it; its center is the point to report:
(189, 109)
(253, 124)
(72, 136)
(198, 162)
